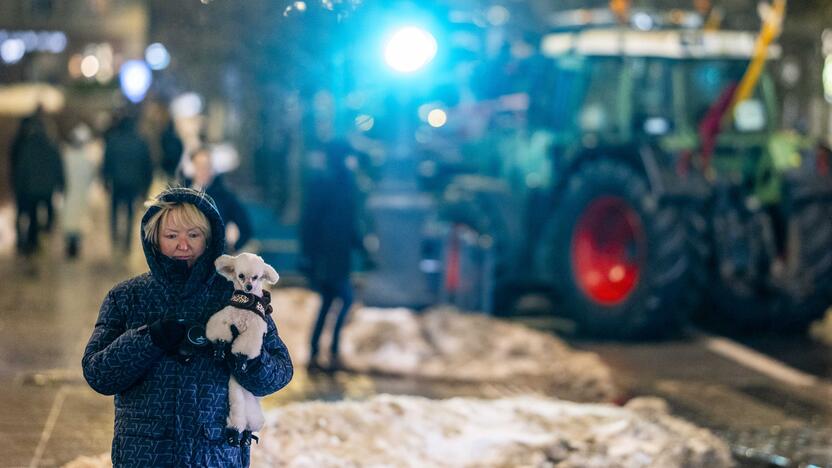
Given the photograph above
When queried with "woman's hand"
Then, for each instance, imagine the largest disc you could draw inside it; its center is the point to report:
(167, 334)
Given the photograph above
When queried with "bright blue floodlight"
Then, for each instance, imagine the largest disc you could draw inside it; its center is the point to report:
(410, 49)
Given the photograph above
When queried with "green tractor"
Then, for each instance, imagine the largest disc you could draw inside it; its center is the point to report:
(639, 194)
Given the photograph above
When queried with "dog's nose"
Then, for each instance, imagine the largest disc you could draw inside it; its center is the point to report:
(248, 287)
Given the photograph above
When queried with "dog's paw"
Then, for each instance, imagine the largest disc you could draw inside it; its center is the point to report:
(248, 345)
(246, 437)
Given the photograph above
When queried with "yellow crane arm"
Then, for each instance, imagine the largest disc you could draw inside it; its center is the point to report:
(772, 25)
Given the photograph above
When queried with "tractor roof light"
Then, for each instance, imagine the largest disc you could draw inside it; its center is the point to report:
(654, 43)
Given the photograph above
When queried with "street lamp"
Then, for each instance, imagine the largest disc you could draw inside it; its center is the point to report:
(409, 49)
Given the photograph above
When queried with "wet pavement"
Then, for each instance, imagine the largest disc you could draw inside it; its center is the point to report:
(769, 397)
(50, 415)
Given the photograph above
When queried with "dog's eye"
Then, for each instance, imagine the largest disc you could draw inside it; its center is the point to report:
(254, 277)
(241, 276)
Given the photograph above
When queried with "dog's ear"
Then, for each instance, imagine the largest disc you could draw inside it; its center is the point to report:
(225, 266)
(270, 274)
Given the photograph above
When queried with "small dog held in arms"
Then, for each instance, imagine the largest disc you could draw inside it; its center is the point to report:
(242, 323)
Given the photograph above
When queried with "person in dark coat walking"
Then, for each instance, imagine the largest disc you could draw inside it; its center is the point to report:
(328, 234)
(171, 395)
(127, 173)
(172, 149)
(230, 208)
(36, 173)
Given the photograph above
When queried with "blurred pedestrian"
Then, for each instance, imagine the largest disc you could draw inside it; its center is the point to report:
(127, 174)
(328, 234)
(171, 392)
(82, 156)
(172, 150)
(36, 174)
(231, 210)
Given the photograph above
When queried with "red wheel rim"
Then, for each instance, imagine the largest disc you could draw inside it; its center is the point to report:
(607, 250)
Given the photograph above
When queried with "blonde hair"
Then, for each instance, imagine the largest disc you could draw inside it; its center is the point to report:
(182, 214)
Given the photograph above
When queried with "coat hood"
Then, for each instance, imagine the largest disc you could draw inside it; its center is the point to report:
(175, 273)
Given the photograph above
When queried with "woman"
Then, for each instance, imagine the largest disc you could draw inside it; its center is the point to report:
(171, 397)
(82, 156)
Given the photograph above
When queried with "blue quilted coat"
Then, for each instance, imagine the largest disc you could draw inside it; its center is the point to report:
(167, 412)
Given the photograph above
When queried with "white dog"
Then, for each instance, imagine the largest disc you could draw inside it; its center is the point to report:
(246, 313)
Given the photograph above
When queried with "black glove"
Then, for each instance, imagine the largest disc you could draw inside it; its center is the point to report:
(167, 334)
(221, 350)
(241, 363)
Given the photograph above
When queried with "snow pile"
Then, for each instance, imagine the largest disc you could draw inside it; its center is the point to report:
(445, 344)
(821, 330)
(101, 461)
(7, 232)
(448, 345)
(460, 432)
(528, 431)
(295, 311)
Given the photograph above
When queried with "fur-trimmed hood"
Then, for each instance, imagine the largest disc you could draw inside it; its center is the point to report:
(175, 273)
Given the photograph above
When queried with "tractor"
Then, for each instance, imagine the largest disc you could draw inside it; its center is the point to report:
(647, 184)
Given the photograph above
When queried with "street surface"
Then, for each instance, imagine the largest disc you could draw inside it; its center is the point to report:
(769, 397)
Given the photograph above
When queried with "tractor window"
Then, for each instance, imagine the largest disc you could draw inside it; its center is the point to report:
(711, 81)
(601, 104)
(652, 97)
(557, 91)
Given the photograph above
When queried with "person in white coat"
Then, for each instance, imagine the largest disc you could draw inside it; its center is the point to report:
(82, 156)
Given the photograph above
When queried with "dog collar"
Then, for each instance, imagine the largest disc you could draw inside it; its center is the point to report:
(259, 305)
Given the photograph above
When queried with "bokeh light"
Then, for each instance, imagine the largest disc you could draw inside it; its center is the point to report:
(410, 49)
(157, 56)
(186, 105)
(135, 78)
(90, 66)
(827, 79)
(498, 15)
(437, 118)
(364, 122)
(12, 50)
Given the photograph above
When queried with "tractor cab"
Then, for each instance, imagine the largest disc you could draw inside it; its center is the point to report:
(617, 87)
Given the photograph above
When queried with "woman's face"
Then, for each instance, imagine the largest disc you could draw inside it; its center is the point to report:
(181, 242)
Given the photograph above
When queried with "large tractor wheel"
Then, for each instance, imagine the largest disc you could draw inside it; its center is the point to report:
(617, 255)
(773, 268)
(803, 276)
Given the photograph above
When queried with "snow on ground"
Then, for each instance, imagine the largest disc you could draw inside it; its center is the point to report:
(404, 431)
(461, 432)
(821, 330)
(7, 230)
(445, 344)
(101, 461)
(411, 431)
